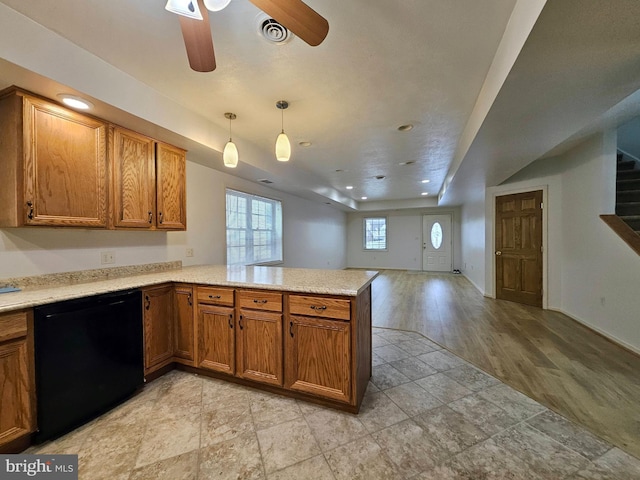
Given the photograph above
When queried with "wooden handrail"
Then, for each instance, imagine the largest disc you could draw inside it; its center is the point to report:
(624, 231)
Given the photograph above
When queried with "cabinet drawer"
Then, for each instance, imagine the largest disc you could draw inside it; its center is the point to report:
(215, 296)
(13, 325)
(338, 308)
(256, 300)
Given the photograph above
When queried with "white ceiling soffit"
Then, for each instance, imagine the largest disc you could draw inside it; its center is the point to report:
(383, 64)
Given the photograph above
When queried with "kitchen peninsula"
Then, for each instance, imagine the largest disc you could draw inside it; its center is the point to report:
(304, 333)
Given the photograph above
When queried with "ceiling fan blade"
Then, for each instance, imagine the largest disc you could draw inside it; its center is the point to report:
(298, 17)
(198, 41)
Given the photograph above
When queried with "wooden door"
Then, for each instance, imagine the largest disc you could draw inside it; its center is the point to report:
(133, 180)
(318, 357)
(216, 338)
(171, 187)
(184, 339)
(259, 346)
(158, 327)
(65, 167)
(437, 243)
(519, 248)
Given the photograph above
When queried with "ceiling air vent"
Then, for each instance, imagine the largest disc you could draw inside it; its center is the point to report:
(272, 31)
(266, 181)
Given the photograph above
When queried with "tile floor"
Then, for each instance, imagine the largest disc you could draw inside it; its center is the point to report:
(427, 414)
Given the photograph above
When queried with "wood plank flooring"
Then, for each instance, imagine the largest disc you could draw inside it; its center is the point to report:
(544, 354)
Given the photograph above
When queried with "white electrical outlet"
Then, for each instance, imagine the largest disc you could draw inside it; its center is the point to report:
(107, 258)
(189, 252)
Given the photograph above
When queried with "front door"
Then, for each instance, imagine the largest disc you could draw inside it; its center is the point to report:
(436, 246)
(519, 248)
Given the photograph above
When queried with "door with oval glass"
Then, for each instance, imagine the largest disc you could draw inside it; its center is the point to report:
(436, 243)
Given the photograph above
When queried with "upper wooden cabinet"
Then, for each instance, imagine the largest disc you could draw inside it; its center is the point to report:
(53, 165)
(148, 183)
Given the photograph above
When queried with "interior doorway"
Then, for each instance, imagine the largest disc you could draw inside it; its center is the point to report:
(436, 243)
(518, 243)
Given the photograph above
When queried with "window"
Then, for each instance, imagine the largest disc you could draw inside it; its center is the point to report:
(375, 233)
(254, 229)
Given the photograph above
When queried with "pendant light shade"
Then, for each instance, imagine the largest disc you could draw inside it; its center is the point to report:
(216, 5)
(283, 146)
(230, 152)
(186, 8)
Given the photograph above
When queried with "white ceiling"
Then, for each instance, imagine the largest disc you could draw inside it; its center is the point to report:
(447, 67)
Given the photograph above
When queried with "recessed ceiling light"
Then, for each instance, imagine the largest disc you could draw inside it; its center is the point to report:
(363, 198)
(405, 128)
(305, 144)
(411, 162)
(379, 177)
(74, 101)
(424, 193)
(349, 187)
(339, 170)
(426, 181)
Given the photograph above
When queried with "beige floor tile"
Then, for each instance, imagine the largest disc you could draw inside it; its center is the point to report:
(385, 376)
(485, 415)
(225, 423)
(511, 401)
(443, 388)
(441, 360)
(413, 368)
(285, 444)
(181, 467)
(168, 437)
(270, 409)
(449, 429)
(613, 465)
(472, 378)
(412, 399)
(362, 459)
(315, 468)
(238, 458)
(378, 411)
(332, 428)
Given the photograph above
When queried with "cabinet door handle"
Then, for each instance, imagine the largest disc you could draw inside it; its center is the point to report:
(147, 302)
(291, 329)
(30, 212)
(160, 217)
(150, 216)
(190, 300)
(240, 323)
(231, 320)
(263, 301)
(321, 307)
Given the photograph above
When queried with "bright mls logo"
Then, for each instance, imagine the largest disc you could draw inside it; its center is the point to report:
(51, 467)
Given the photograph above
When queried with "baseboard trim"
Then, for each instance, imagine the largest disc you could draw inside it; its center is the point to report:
(482, 292)
(607, 336)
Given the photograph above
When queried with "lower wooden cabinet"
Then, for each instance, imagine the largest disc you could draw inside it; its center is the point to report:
(216, 338)
(259, 346)
(157, 314)
(17, 379)
(318, 357)
(183, 326)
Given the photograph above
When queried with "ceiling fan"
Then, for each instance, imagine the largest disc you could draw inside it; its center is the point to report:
(294, 15)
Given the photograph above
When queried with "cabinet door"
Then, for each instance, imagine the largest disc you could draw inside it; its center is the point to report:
(259, 346)
(65, 167)
(318, 357)
(171, 187)
(134, 180)
(158, 331)
(184, 339)
(216, 338)
(16, 377)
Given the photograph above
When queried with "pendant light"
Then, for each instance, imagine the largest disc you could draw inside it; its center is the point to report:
(230, 152)
(283, 147)
(216, 5)
(187, 8)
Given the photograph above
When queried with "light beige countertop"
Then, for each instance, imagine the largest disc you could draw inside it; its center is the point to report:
(299, 280)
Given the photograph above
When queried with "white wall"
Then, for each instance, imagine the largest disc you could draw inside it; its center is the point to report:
(473, 242)
(307, 225)
(590, 273)
(404, 232)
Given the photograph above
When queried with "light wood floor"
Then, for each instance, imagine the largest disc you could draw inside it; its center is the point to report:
(544, 354)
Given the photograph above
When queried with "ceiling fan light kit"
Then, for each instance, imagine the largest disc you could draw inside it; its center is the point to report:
(186, 8)
(230, 152)
(283, 146)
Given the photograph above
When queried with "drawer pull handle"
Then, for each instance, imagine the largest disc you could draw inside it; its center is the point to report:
(315, 307)
(263, 301)
(214, 296)
(231, 320)
(291, 329)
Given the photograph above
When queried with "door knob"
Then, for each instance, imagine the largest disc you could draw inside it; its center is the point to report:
(498, 253)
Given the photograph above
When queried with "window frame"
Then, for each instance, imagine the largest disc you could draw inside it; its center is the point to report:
(386, 233)
(275, 219)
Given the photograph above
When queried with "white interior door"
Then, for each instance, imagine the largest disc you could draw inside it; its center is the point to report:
(436, 243)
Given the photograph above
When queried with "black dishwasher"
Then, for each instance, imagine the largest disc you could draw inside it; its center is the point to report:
(89, 357)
